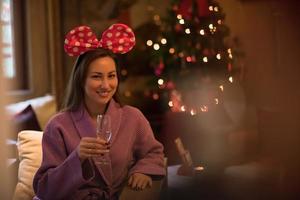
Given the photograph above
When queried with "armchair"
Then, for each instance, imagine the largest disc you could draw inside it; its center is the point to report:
(30, 156)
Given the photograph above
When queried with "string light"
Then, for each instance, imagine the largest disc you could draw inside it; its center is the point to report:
(189, 59)
(205, 59)
(160, 81)
(230, 79)
(171, 104)
(210, 26)
(221, 87)
(219, 21)
(181, 21)
(211, 8)
(182, 108)
(163, 41)
(156, 46)
(218, 56)
(216, 9)
(171, 50)
(187, 31)
(217, 101)
(193, 112)
(204, 108)
(149, 43)
(202, 32)
(179, 16)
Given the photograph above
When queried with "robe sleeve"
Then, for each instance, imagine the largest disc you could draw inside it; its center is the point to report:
(147, 151)
(59, 174)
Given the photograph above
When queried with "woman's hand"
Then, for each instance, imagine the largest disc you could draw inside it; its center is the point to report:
(90, 146)
(138, 181)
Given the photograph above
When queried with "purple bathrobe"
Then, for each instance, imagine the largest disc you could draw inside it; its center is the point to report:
(133, 149)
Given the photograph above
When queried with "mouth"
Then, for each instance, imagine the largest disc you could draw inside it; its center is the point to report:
(103, 93)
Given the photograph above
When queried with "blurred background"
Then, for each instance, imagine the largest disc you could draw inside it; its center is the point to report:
(221, 75)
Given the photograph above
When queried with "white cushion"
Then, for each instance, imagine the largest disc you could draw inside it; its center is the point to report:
(30, 156)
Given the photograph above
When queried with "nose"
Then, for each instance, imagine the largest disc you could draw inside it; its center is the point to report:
(105, 83)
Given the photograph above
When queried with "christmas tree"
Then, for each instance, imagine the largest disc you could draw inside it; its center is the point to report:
(191, 55)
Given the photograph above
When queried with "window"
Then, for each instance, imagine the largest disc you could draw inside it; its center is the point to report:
(13, 43)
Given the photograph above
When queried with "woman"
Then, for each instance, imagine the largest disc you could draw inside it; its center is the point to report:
(70, 147)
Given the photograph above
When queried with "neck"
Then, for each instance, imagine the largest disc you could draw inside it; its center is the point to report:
(95, 110)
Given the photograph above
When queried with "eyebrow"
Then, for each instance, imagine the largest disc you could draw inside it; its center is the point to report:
(102, 73)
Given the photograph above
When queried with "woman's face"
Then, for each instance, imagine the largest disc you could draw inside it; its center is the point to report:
(101, 83)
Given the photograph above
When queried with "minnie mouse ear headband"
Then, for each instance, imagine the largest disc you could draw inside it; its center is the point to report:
(118, 38)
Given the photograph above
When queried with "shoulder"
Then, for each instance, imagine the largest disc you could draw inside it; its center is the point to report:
(59, 119)
(132, 111)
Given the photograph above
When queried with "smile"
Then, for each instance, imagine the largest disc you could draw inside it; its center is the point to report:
(103, 93)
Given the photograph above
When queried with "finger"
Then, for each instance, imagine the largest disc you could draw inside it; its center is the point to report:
(130, 181)
(139, 182)
(149, 183)
(93, 146)
(134, 183)
(144, 183)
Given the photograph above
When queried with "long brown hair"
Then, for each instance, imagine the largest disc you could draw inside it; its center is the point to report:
(75, 89)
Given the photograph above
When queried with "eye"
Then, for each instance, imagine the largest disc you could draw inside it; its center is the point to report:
(95, 76)
(112, 75)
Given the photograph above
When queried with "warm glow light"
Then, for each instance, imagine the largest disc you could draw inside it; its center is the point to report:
(216, 100)
(218, 56)
(216, 9)
(182, 108)
(230, 56)
(171, 50)
(189, 59)
(221, 87)
(181, 21)
(163, 41)
(127, 93)
(124, 72)
(205, 59)
(211, 8)
(229, 51)
(156, 17)
(199, 168)
(156, 46)
(155, 96)
(149, 43)
(210, 26)
(204, 108)
(179, 16)
(202, 32)
(193, 112)
(170, 103)
(187, 31)
(160, 81)
(219, 21)
(230, 79)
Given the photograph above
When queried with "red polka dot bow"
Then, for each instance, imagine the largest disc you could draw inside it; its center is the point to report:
(119, 38)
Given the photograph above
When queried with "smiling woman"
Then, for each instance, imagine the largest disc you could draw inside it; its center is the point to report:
(71, 148)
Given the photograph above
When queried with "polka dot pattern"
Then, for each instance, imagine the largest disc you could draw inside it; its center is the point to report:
(119, 38)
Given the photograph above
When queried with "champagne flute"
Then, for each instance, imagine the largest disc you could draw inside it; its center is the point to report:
(103, 131)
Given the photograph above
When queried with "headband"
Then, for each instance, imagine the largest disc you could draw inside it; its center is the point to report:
(118, 38)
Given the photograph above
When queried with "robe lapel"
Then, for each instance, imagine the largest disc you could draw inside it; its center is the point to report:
(85, 128)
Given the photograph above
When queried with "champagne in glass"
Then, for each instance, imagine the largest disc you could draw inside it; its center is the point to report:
(103, 131)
